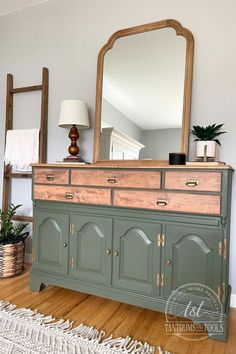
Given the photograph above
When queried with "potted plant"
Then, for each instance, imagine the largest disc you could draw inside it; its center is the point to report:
(207, 139)
(12, 243)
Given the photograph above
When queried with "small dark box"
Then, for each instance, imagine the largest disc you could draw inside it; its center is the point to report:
(177, 158)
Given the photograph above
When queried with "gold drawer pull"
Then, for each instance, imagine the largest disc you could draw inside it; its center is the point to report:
(191, 182)
(162, 202)
(69, 195)
(108, 252)
(168, 262)
(115, 254)
(50, 177)
(112, 180)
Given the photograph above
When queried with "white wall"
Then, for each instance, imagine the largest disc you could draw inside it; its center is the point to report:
(160, 142)
(114, 118)
(66, 36)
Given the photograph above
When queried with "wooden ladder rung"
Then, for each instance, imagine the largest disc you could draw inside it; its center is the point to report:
(8, 174)
(17, 175)
(26, 89)
(23, 218)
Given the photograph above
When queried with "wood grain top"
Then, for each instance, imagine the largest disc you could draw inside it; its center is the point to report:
(133, 166)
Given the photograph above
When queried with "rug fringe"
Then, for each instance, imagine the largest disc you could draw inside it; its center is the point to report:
(128, 345)
(120, 345)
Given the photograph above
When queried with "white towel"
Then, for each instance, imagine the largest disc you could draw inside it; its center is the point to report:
(22, 148)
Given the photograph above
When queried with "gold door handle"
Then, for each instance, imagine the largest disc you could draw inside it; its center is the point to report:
(50, 177)
(112, 180)
(168, 262)
(115, 254)
(69, 195)
(162, 202)
(64, 244)
(108, 251)
(191, 182)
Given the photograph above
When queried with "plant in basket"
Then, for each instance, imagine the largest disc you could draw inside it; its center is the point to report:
(12, 243)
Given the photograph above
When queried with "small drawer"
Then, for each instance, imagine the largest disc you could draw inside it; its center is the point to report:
(177, 202)
(51, 175)
(73, 194)
(199, 181)
(115, 178)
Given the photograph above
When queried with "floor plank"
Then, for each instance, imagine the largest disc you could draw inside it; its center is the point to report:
(113, 317)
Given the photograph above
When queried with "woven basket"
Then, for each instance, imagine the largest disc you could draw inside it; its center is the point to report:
(12, 259)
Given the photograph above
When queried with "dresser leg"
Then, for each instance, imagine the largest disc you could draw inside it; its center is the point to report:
(35, 283)
(223, 335)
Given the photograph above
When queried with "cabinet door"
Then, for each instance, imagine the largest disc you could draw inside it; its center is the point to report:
(136, 256)
(50, 241)
(191, 255)
(91, 245)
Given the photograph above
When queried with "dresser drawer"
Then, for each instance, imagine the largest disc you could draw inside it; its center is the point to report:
(177, 202)
(116, 178)
(73, 194)
(51, 176)
(199, 181)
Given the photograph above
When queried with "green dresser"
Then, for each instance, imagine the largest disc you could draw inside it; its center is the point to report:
(131, 234)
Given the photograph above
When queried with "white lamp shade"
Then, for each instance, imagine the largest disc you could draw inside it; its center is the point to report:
(73, 112)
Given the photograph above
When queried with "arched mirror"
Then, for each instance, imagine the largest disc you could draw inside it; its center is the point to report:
(144, 81)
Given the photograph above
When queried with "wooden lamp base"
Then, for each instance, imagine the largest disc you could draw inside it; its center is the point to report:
(73, 148)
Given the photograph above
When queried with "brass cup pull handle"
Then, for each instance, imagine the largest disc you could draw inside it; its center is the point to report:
(50, 177)
(115, 254)
(108, 252)
(162, 202)
(168, 262)
(69, 195)
(64, 244)
(112, 180)
(191, 182)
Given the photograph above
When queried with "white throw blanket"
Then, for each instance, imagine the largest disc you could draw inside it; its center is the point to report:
(22, 148)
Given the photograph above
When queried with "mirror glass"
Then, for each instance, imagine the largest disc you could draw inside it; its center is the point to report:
(142, 96)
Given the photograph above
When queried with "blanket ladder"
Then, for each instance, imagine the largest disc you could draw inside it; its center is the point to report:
(8, 174)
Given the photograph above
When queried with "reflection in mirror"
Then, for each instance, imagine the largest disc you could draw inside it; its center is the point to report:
(142, 96)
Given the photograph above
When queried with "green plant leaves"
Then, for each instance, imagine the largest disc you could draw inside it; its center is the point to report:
(10, 232)
(207, 133)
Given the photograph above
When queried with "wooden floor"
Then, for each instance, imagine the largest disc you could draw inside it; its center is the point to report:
(111, 316)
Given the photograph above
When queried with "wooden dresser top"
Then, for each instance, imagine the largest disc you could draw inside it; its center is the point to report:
(179, 189)
(133, 166)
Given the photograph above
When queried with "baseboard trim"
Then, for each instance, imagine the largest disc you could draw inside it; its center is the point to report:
(233, 300)
(28, 258)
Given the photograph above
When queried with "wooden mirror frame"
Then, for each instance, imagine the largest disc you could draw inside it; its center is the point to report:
(180, 31)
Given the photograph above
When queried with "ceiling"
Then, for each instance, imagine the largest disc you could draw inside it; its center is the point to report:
(8, 6)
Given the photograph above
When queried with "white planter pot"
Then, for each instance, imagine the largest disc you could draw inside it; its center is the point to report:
(210, 149)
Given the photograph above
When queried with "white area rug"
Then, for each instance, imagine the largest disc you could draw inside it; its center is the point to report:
(29, 332)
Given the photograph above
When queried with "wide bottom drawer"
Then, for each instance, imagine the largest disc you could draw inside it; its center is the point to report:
(179, 202)
(73, 194)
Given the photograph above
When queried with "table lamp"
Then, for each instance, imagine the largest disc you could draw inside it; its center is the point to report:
(73, 114)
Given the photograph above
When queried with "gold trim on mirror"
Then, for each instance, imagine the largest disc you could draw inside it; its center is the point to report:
(180, 31)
